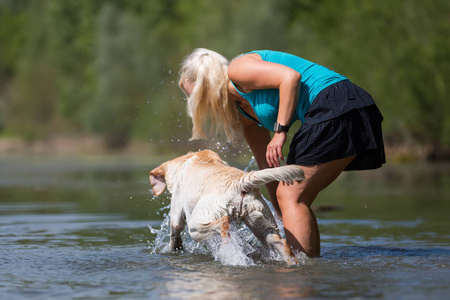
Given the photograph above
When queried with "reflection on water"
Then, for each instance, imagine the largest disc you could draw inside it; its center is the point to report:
(91, 229)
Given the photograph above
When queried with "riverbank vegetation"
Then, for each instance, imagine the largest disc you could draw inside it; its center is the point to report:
(109, 69)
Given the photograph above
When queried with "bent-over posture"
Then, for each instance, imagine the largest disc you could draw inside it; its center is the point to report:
(267, 91)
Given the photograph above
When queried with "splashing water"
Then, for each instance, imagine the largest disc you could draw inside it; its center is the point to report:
(251, 165)
(232, 252)
(241, 249)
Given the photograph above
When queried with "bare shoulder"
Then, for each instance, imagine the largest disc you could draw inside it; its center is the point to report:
(245, 57)
(251, 72)
(241, 64)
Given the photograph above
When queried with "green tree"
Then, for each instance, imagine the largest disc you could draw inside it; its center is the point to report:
(397, 50)
(30, 109)
(110, 66)
(121, 76)
(72, 33)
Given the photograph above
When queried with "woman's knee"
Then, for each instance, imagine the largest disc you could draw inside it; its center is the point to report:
(288, 195)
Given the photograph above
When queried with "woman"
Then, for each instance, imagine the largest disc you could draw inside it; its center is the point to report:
(264, 91)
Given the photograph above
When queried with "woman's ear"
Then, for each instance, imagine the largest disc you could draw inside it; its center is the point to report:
(158, 180)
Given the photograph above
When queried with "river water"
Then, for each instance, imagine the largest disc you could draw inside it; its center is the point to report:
(89, 228)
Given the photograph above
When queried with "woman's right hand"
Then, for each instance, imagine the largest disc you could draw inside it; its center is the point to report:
(274, 150)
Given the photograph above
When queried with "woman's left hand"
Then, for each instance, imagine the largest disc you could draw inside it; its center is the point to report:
(274, 149)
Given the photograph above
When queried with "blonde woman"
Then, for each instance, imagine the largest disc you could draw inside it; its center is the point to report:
(267, 91)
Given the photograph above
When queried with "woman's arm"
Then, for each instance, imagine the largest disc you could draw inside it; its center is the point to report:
(258, 138)
(250, 72)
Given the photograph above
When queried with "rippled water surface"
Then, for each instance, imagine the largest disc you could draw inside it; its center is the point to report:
(85, 228)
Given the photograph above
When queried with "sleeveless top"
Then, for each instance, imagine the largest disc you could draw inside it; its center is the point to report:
(265, 102)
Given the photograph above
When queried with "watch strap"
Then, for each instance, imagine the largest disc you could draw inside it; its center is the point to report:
(277, 127)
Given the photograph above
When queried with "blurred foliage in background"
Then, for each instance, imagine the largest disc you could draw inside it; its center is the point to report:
(110, 67)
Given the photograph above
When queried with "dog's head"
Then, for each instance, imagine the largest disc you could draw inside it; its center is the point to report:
(168, 173)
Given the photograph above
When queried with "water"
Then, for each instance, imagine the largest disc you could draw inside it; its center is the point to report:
(90, 229)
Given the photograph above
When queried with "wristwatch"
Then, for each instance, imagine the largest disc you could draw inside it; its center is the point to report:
(277, 127)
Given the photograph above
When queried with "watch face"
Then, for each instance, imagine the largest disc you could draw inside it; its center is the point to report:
(276, 127)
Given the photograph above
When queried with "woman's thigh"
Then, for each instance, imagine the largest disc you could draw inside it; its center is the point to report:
(317, 178)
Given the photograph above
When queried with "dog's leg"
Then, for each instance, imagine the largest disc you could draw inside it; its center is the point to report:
(200, 232)
(177, 222)
(209, 217)
(176, 242)
(224, 227)
(280, 245)
(265, 229)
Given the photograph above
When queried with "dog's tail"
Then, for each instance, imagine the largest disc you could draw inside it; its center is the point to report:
(255, 179)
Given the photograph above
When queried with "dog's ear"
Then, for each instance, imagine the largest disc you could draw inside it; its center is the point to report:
(158, 180)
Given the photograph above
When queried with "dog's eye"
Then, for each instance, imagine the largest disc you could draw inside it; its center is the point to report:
(243, 193)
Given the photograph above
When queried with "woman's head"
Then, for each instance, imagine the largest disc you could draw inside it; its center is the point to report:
(204, 80)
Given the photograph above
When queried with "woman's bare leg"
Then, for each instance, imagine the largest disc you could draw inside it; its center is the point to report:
(299, 221)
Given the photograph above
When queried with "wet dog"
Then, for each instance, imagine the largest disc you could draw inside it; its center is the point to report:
(208, 194)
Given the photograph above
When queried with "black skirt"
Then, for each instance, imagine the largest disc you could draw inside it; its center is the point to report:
(342, 121)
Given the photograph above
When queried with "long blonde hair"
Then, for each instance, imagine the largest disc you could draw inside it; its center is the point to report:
(209, 103)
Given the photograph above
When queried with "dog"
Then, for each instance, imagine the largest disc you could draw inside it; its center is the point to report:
(208, 194)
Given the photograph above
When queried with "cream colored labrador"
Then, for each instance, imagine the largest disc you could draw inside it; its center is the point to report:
(208, 194)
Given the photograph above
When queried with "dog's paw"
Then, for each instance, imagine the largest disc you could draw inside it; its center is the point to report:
(235, 216)
(176, 246)
(175, 249)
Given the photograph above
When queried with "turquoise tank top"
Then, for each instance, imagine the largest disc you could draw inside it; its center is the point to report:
(314, 79)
